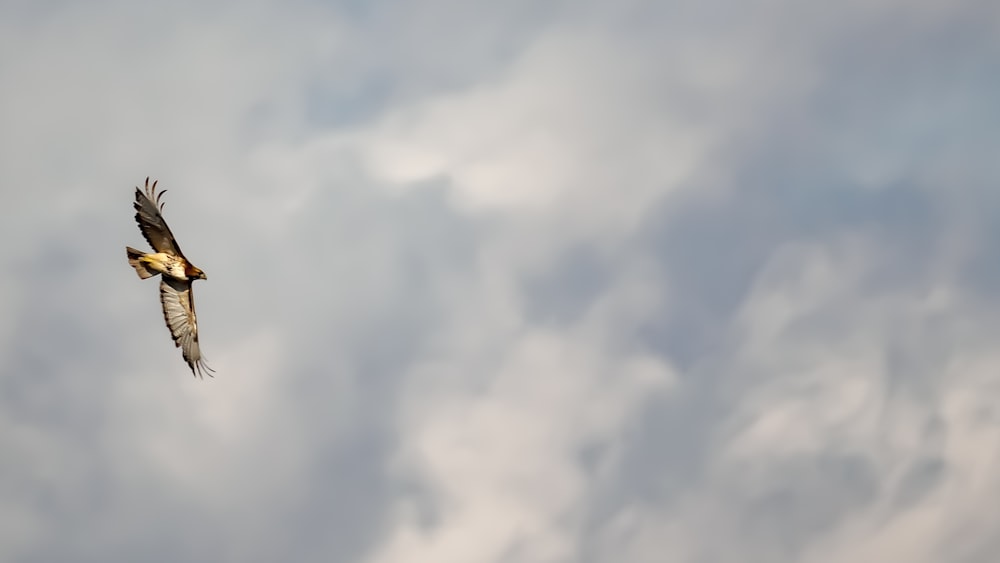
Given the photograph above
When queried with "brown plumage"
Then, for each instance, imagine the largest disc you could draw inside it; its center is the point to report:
(176, 276)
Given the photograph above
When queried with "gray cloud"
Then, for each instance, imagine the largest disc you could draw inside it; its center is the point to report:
(583, 282)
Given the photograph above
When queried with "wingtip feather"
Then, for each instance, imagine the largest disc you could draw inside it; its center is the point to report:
(200, 368)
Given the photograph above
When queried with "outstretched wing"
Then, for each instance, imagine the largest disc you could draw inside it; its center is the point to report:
(178, 311)
(151, 223)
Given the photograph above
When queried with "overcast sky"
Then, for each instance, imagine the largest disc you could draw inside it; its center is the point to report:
(504, 282)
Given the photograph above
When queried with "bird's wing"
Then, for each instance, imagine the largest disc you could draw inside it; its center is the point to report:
(178, 311)
(154, 228)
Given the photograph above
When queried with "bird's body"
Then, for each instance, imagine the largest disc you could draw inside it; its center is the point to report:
(176, 276)
(166, 264)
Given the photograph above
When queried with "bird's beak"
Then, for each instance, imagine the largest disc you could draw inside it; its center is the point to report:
(203, 276)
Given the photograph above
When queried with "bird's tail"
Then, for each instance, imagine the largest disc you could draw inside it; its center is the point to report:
(135, 260)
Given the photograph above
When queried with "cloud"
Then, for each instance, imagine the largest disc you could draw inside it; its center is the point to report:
(576, 282)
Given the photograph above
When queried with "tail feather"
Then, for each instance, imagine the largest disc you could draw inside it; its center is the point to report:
(134, 260)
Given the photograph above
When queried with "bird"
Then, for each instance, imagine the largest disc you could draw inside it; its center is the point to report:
(176, 273)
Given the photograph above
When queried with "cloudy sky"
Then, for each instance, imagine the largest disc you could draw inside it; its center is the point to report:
(504, 282)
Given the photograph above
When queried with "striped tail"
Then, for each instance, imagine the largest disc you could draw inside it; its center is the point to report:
(135, 260)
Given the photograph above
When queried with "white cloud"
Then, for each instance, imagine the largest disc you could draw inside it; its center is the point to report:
(572, 124)
(497, 435)
(812, 379)
(377, 192)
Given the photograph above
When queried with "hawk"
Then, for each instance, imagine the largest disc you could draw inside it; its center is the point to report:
(176, 276)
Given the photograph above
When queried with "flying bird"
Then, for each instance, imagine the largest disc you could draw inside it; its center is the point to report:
(176, 276)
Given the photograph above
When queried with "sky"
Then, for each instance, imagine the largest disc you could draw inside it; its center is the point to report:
(504, 282)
